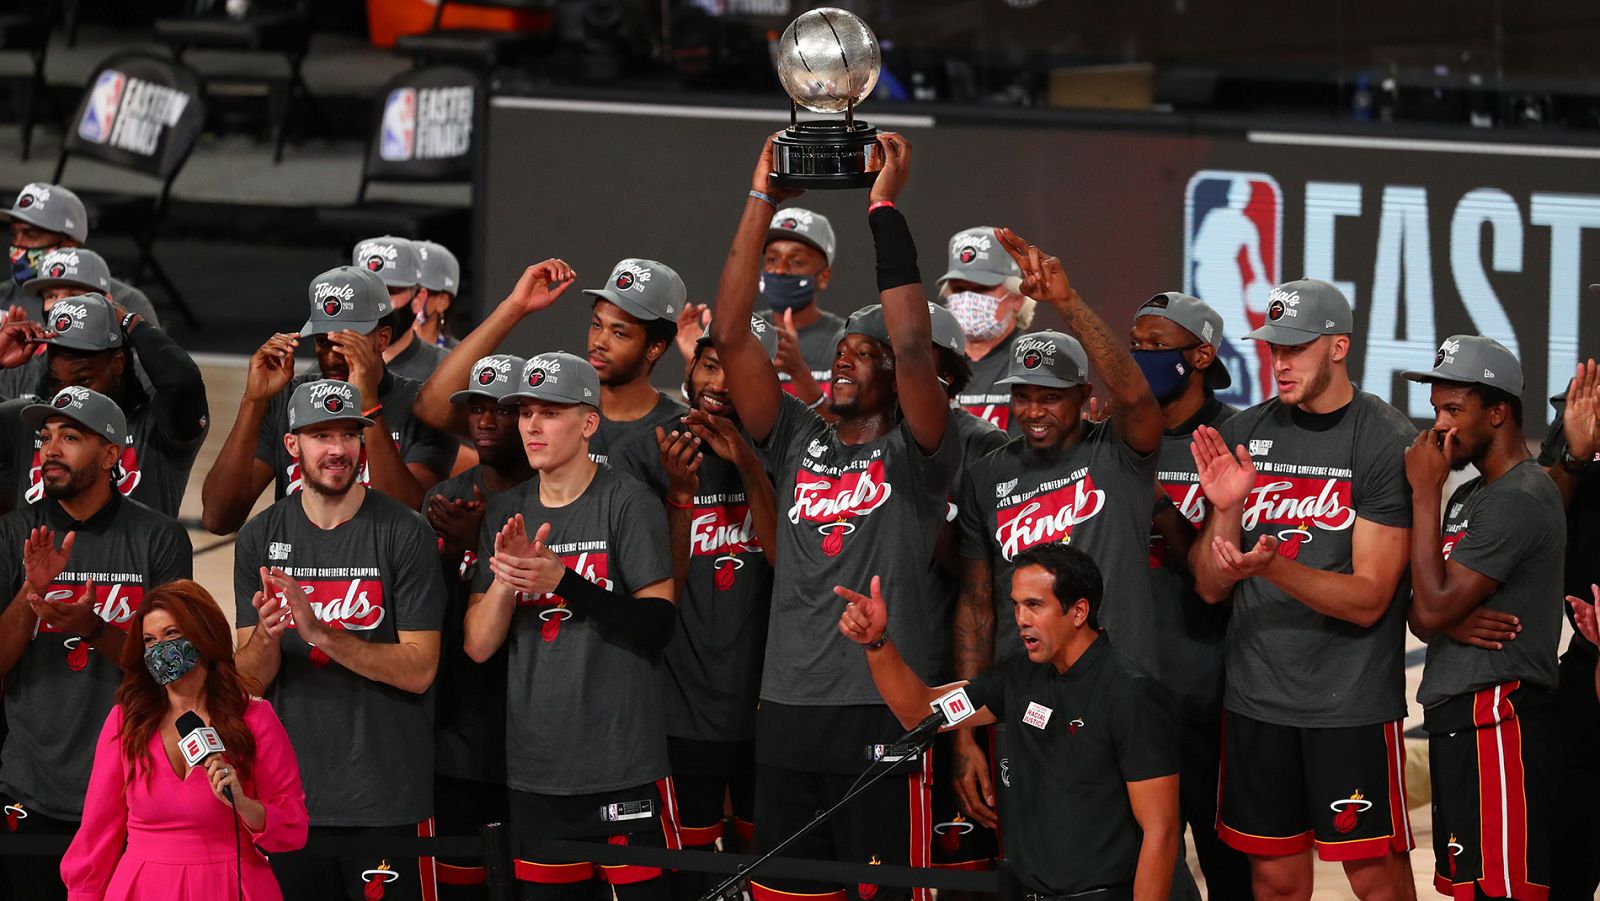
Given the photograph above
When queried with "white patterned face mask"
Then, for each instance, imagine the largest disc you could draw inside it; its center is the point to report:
(976, 311)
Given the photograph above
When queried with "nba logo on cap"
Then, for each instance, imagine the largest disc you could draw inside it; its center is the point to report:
(1232, 255)
(399, 136)
(100, 113)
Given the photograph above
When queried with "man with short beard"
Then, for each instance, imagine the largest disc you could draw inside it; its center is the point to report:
(1310, 546)
(633, 322)
(469, 730)
(1493, 750)
(721, 517)
(1063, 479)
(865, 495)
(61, 662)
(339, 602)
(352, 320)
(94, 343)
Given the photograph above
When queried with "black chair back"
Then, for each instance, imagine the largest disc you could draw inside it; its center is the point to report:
(426, 127)
(140, 112)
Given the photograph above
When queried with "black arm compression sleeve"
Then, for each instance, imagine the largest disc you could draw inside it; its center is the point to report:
(897, 253)
(180, 395)
(646, 621)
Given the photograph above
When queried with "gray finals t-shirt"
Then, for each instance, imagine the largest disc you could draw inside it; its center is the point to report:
(418, 360)
(59, 693)
(1097, 496)
(614, 433)
(368, 760)
(1190, 633)
(584, 702)
(982, 397)
(847, 513)
(1315, 475)
(713, 662)
(418, 443)
(1514, 531)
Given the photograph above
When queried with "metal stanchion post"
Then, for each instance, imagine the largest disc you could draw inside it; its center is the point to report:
(500, 872)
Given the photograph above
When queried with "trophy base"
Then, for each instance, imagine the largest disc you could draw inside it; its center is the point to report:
(826, 156)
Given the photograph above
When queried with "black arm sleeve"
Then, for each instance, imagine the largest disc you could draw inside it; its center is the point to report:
(646, 621)
(180, 400)
(897, 253)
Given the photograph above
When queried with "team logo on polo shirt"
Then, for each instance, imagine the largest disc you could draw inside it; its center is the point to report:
(835, 502)
(552, 607)
(723, 532)
(1346, 811)
(1048, 515)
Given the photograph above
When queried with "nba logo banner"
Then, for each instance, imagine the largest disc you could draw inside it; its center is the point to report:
(1232, 258)
(101, 112)
(398, 137)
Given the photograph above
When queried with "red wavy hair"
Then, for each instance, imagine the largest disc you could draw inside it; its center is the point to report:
(144, 701)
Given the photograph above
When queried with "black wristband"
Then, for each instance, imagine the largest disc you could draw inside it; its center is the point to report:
(897, 252)
(126, 320)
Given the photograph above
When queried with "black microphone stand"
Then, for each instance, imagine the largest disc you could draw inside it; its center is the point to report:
(918, 739)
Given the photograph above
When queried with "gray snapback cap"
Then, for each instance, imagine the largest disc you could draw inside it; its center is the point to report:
(346, 297)
(947, 331)
(1195, 316)
(493, 377)
(558, 378)
(805, 226)
(325, 400)
(1047, 359)
(866, 321)
(441, 271)
(392, 259)
(1476, 360)
(52, 208)
(977, 256)
(1302, 311)
(84, 322)
(644, 289)
(90, 409)
(71, 267)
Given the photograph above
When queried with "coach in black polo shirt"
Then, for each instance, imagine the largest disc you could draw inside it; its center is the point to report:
(1093, 762)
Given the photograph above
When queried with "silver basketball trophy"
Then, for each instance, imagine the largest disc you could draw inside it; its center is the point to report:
(827, 62)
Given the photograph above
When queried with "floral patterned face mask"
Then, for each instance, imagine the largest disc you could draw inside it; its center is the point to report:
(168, 661)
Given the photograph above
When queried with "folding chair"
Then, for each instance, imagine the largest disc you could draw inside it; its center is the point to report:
(480, 48)
(143, 114)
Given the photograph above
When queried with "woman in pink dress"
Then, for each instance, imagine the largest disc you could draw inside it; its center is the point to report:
(152, 827)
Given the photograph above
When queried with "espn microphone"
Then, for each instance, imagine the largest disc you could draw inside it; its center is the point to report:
(948, 710)
(199, 741)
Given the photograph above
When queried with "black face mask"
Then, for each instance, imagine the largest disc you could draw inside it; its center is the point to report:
(788, 292)
(1166, 371)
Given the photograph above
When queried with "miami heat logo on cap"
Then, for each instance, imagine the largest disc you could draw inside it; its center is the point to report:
(1032, 359)
(25, 201)
(62, 400)
(967, 254)
(374, 264)
(57, 270)
(789, 223)
(1275, 311)
(486, 376)
(62, 322)
(625, 280)
(1447, 351)
(535, 378)
(333, 403)
(331, 306)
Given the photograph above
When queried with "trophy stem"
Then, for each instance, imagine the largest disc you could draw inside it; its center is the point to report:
(794, 114)
(849, 116)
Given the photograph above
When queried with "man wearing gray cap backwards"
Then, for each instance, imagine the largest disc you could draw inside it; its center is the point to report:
(338, 604)
(45, 218)
(97, 344)
(352, 322)
(1500, 550)
(1307, 536)
(74, 567)
(579, 587)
